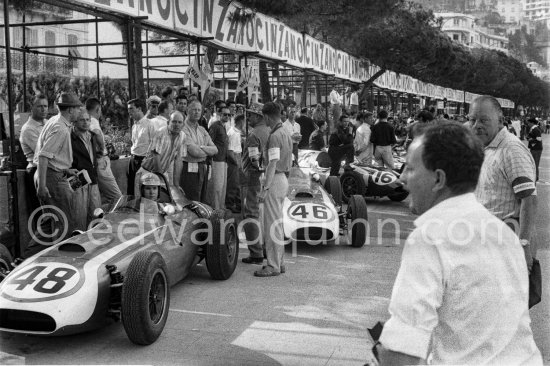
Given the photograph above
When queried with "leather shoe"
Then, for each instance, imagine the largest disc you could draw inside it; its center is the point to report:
(266, 272)
(253, 260)
(283, 268)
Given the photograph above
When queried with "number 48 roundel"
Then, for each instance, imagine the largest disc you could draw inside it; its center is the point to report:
(42, 281)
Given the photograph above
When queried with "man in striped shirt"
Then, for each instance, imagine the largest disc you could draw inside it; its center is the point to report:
(507, 181)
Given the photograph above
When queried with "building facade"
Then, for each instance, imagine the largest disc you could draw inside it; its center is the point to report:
(462, 28)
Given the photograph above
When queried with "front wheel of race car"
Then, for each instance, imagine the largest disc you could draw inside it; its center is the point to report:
(332, 186)
(222, 252)
(357, 221)
(351, 183)
(145, 298)
(5, 262)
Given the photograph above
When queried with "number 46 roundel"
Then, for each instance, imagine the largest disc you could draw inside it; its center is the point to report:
(42, 281)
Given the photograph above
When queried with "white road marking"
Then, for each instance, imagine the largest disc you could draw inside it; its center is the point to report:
(200, 313)
(390, 212)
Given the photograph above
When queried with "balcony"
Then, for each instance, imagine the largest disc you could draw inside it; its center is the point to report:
(39, 63)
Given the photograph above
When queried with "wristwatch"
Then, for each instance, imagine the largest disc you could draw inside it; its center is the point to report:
(524, 242)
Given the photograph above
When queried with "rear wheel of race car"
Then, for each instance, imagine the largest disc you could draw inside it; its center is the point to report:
(351, 183)
(145, 298)
(357, 217)
(222, 253)
(332, 186)
(5, 262)
(398, 197)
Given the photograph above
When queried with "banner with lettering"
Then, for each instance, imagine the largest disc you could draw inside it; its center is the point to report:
(229, 25)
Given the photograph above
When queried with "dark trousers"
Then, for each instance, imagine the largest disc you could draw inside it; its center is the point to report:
(32, 198)
(193, 184)
(337, 154)
(536, 156)
(133, 167)
(233, 196)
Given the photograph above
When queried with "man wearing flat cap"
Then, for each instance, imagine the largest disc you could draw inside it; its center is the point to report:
(54, 158)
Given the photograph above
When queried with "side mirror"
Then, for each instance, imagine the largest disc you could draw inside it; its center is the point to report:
(99, 213)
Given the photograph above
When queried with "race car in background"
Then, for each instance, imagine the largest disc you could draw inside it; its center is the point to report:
(374, 181)
(122, 268)
(312, 210)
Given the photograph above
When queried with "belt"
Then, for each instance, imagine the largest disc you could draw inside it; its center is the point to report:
(285, 173)
(191, 162)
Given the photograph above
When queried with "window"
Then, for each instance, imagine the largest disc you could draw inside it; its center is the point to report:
(455, 37)
(31, 36)
(49, 38)
(17, 34)
(73, 51)
(456, 21)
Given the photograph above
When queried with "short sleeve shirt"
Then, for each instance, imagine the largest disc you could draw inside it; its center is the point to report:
(167, 151)
(29, 137)
(159, 122)
(54, 143)
(234, 139)
(281, 140)
(507, 175)
(142, 135)
(94, 126)
(198, 136)
(461, 293)
(255, 144)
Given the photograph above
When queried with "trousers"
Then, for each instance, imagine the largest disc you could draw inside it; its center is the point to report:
(252, 226)
(273, 222)
(107, 185)
(383, 156)
(133, 167)
(536, 156)
(86, 199)
(192, 182)
(217, 185)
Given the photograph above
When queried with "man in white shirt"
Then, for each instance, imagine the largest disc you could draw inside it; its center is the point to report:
(293, 128)
(234, 165)
(361, 143)
(165, 109)
(108, 187)
(142, 135)
(461, 293)
(28, 139)
(335, 106)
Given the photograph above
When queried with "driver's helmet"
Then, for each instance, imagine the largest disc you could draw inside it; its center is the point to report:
(150, 179)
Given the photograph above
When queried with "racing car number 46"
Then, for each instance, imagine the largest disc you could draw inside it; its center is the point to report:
(309, 212)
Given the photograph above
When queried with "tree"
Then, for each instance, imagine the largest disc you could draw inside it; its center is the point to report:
(523, 47)
(405, 38)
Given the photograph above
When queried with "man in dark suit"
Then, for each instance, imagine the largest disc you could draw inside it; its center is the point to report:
(86, 198)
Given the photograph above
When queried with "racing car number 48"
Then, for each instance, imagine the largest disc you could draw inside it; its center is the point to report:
(42, 280)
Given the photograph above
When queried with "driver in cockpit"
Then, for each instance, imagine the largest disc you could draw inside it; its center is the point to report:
(149, 189)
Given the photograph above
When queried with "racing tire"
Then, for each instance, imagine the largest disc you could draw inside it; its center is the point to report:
(333, 187)
(5, 262)
(398, 197)
(222, 253)
(145, 298)
(351, 183)
(357, 210)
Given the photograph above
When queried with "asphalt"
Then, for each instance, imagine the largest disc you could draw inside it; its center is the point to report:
(315, 314)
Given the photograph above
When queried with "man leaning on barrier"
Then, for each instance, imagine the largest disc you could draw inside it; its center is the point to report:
(460, 296)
